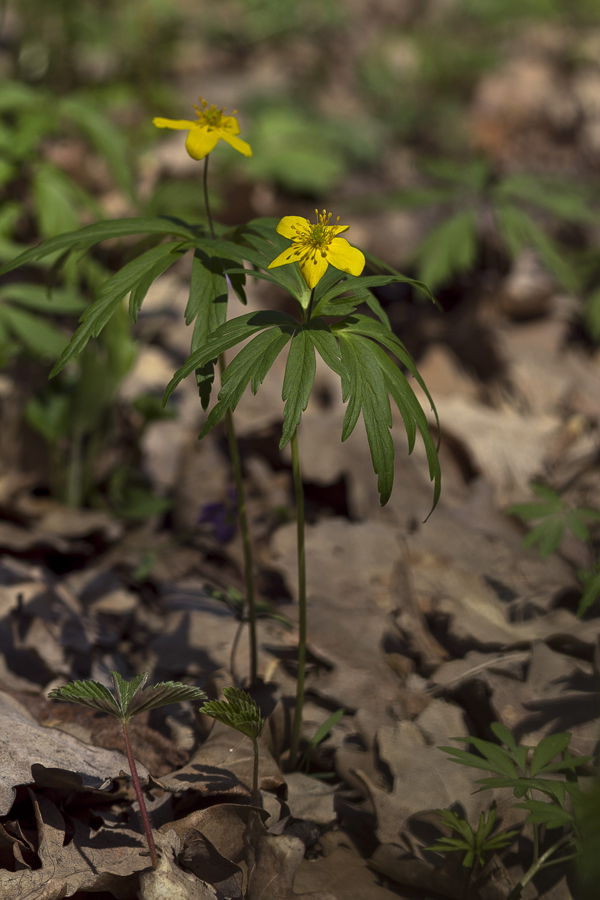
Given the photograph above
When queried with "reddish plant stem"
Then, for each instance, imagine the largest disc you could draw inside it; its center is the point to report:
(140, 797)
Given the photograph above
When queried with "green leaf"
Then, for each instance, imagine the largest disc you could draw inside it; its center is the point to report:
(109, 296)
(577, 526)
(496, 758)
(36, 296)
(567, 201)
(163, 694)
(55, 201)
(35, 335)
(238, 711)
(547, 814)
(504, 734)
(103, 135)
(547, 534)
(589, 596)
(88, 693)
(228, 335)
(519, 230)
(95, 234)
(408, 405)
(547, 749)
(324, 729)
(365, 389)
(249, 365)
(449, 249)
(167, 255)
(50, 417)
(298, 380)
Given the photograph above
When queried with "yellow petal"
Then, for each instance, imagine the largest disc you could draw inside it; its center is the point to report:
(314, 268)
(345, 257)
(200, 141)
(289, 226)
(292, 254)
(338, 229)
(230, 124)
(236, 142)
(179, 124)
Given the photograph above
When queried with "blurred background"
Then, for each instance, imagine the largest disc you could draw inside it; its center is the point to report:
(460, 139)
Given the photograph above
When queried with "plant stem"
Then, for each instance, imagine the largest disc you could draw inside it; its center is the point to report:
(541, 863)
(234, 453)
(311, 303)
(140, 797)
(233, 651)
(299, 492)
(255, 794)
(206, 202)
(236, 465)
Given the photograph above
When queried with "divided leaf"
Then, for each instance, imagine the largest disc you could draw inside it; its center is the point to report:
(132, 697)
(238, 711)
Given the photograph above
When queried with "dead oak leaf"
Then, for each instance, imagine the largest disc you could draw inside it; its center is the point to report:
(104, 860)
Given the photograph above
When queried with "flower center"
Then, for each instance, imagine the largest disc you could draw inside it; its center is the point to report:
(318, 236)
(210, 116)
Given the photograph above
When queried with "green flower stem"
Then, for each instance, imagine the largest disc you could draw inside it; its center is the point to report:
(234, 452)
(299, 491)
(206, 202)
(311, 303)
(255, 794)
(140, 796)
(236, 465)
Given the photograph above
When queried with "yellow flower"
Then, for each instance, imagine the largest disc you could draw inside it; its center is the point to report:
(210, 127)
(316, 246)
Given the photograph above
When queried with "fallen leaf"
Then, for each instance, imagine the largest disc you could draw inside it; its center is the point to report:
(104, 860)
(30, 753)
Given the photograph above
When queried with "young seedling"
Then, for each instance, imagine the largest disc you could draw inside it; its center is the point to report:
(130, 699)
(514, 766)
(240, 712)
(474, 844)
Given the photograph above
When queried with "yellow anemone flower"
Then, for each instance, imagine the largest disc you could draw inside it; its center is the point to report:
(317, 246)
(211, 126)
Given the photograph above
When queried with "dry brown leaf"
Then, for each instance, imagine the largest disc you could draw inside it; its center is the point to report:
(104, 860)
(168, 881)
(31, 753)
(224, 765)
(424, 779)
(277, 858)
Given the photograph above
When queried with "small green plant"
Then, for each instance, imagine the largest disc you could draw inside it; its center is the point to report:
(320, 735)
(236, 603)
(555, 516)
(130, 698)
(522, 770)
(240, 712)
(485, 212)
(474, 844)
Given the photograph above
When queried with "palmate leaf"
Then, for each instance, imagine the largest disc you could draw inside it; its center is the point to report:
(298, 382)
(250, 365)
(368, 383)
(449, 249)
(364, 387)
(226, 336)
(131, 697)
(565, 200)
(238, 710)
